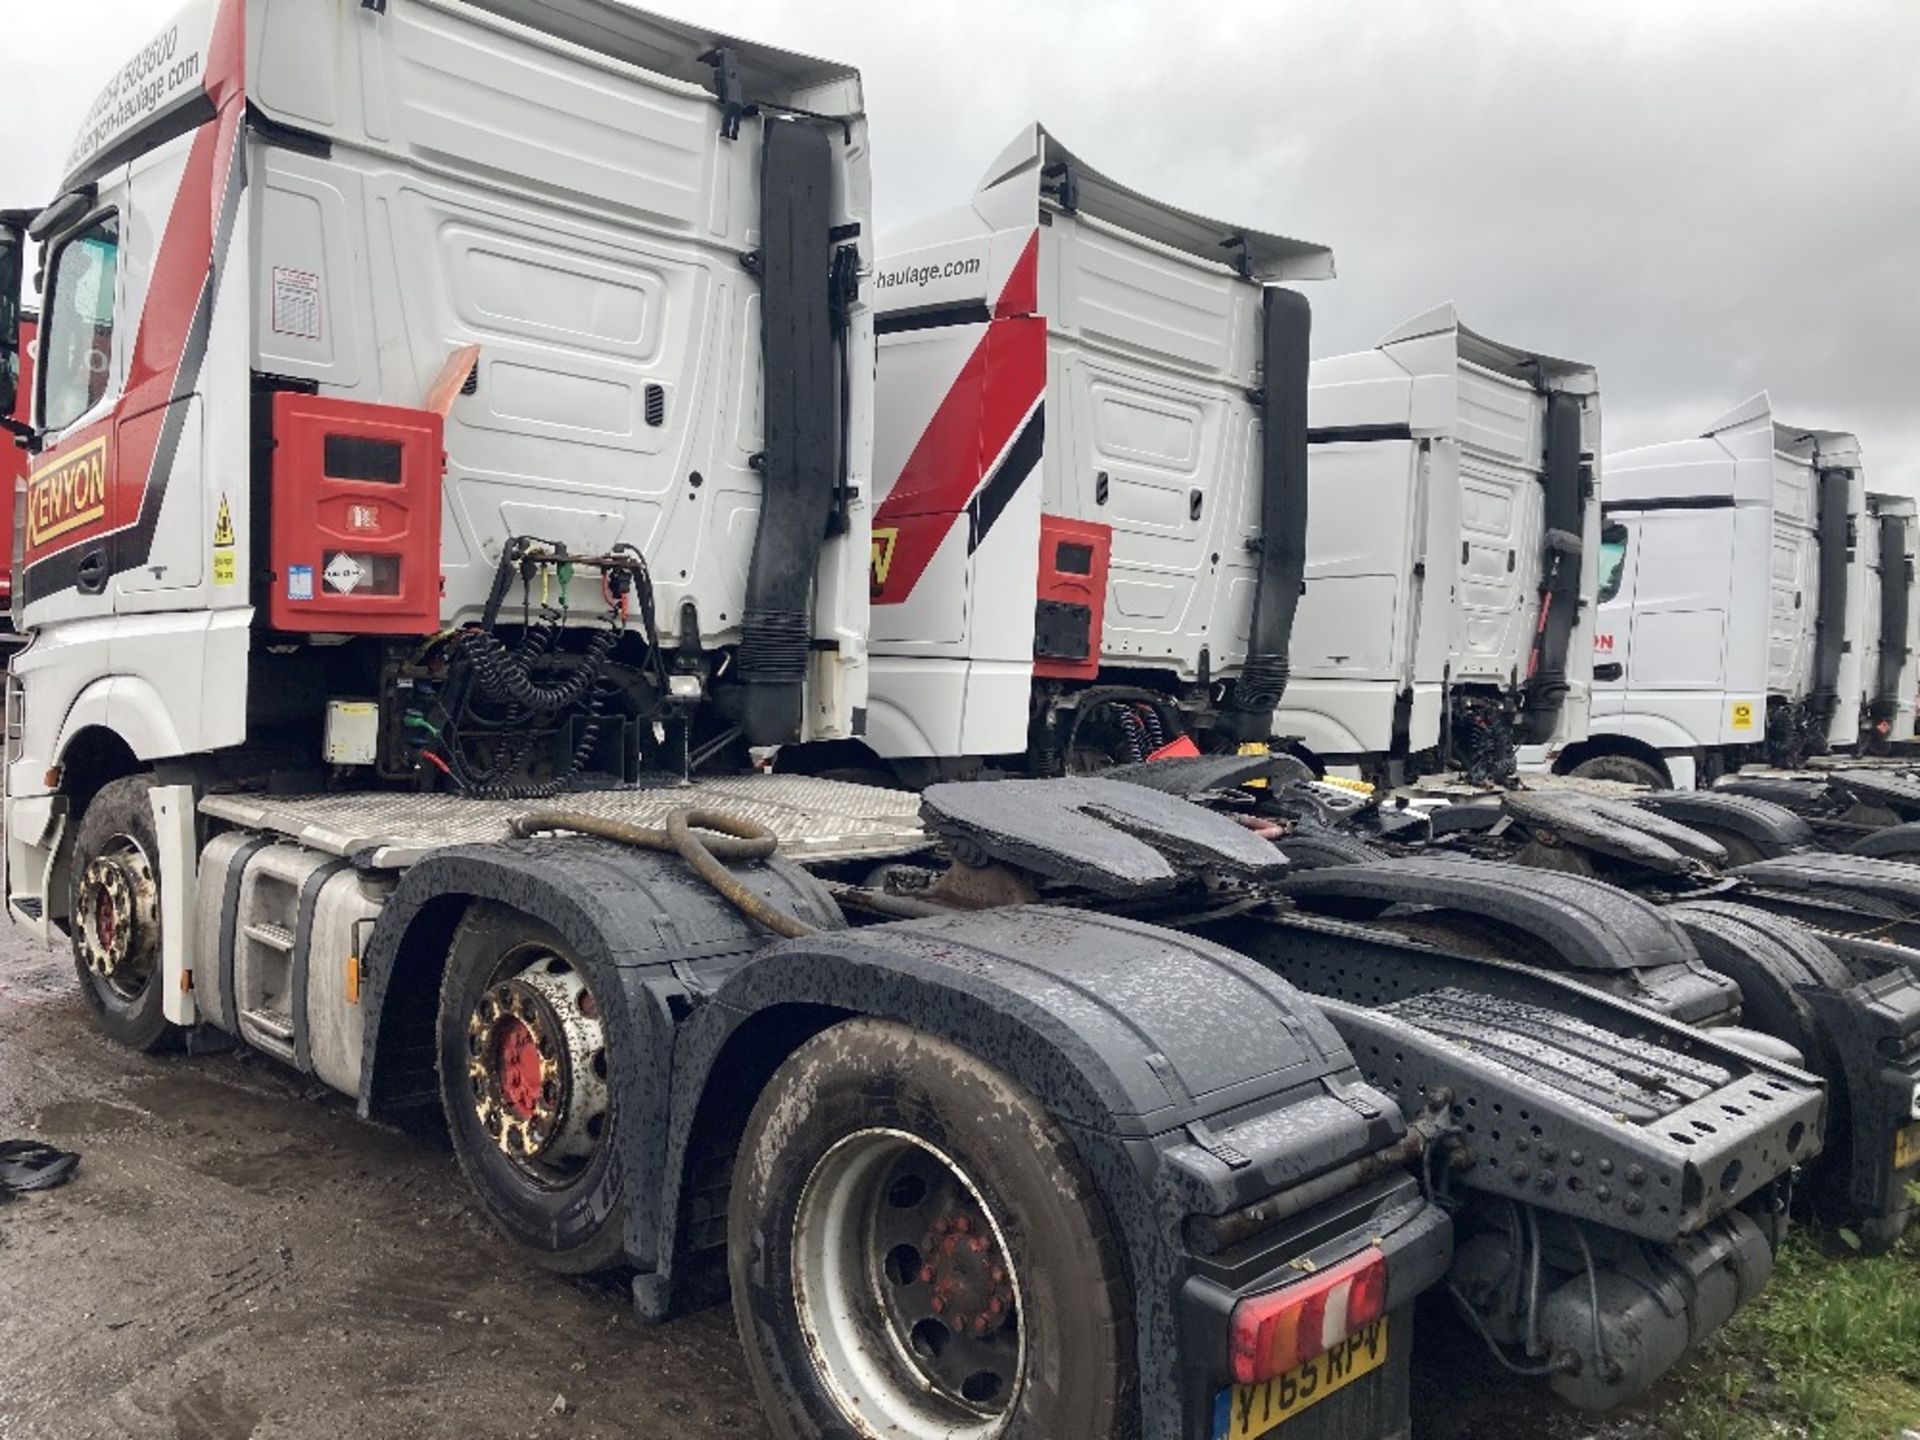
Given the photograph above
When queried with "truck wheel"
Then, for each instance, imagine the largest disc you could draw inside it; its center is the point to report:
(1624, 768)
(917, 1251)
(524, 1081)
(114, 915)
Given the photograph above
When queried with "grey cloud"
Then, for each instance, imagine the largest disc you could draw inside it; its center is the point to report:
(1702, 197)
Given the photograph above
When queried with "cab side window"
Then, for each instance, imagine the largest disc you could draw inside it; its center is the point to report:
(76, 344)
(1613, 559)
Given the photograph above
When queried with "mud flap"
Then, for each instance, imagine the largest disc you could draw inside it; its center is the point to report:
(1876, 1029)
(1859, 1031)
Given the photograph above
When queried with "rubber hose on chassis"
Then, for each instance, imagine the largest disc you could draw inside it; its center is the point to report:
(1285, 344)
(743, 839)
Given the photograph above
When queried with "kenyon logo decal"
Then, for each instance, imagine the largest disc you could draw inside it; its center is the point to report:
(68, 494)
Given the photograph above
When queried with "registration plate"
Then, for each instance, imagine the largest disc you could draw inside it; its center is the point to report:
(1906, 1148)
(1246, 1412)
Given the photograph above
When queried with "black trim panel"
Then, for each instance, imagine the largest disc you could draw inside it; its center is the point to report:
(1669, 502)
(973, 312)
(1020, 461)
(1344, 434)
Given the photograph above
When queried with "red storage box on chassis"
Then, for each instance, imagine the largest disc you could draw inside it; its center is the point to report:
(356, 517)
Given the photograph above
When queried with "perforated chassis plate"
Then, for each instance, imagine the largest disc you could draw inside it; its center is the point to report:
(815, 820)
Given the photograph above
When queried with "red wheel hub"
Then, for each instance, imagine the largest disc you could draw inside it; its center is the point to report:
(106, 919)
(516, 1059)
(971, 1290)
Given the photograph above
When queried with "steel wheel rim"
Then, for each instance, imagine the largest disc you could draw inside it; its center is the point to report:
(116, 918)
(537, 1069)
(897, 1362)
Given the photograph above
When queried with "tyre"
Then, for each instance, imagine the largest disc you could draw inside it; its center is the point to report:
(114, 915)
(917, 1251)
(1624, 768)
(524, 1080)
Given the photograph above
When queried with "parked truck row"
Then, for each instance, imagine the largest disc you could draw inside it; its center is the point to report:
(469, 437)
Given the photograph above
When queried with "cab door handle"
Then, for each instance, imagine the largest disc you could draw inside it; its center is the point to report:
(1612, 670)
(93, 572)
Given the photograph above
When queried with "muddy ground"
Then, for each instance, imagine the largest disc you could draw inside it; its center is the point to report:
(239, 1256)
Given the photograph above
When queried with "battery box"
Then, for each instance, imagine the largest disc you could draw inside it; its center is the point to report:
(355, 529)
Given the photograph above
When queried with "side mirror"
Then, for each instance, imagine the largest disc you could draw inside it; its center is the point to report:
(13, 252)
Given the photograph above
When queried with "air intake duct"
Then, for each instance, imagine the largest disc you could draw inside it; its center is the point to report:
(1560, 562)
(1896, 582)
(1830, 620)
(797, 466)
(1288, 330)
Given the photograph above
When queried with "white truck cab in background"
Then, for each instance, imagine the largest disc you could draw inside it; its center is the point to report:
(1436, 538)
(1732, 620)
(1084, 393)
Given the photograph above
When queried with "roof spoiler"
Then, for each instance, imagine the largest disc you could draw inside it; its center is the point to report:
(1037, 165)
(1569, 376)
(1838, 449)
(674, 48)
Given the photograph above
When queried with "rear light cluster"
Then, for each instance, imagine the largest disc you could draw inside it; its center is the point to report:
(1285, 1328)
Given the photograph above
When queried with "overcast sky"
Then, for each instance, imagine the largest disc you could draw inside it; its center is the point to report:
(1704, 198)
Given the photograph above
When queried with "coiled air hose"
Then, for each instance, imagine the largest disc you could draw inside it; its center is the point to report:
(740, 839)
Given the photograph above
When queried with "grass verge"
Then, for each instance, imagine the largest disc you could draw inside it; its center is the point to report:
(1830, 1352)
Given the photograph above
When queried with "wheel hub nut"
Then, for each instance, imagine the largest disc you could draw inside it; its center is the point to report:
(536, 1064)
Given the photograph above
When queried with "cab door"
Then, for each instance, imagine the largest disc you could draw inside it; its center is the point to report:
(1613, 621)
(72, 506)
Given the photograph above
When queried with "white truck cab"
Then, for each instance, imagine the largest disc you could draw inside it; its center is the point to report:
(1733, 600)
(364, 322)
(1450, 553)
(1076, 461)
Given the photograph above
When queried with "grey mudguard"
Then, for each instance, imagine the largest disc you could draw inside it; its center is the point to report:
(1899, 793)
(1893, 883)
(1610, 938)
(1567, 1098)
(1591, 925)
(1890, 842)
(1189, 1079)
(1611, 827)
(1771, 828)
(641, 925)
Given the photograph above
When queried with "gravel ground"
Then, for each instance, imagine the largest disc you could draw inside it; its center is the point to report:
(240, 1256)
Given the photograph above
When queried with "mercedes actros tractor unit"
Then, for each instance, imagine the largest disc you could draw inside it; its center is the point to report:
(1453, 525)
(453, 459)
(1733, 625)
(1086, 541)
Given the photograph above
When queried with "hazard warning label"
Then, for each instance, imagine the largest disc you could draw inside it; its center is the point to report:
(344, 574)
(226, 568)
